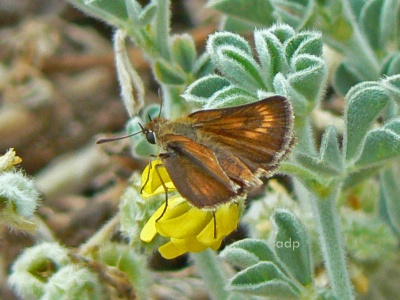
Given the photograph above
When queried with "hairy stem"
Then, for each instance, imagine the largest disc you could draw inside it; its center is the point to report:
(331, 241)
(211, 271)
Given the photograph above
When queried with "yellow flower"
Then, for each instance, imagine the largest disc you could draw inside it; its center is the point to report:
(151, 183)
(9, 159)
(190, 229)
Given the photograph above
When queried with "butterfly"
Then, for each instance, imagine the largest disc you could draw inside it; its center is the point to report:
(216, 156)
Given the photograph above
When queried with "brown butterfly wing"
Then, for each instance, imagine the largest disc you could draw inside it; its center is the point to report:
(196, 174)
(259, 133)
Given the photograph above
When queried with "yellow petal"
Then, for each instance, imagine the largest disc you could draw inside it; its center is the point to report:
(149, 231)
(188, 224)
(227, 219)
(177, 247)
(151, 182)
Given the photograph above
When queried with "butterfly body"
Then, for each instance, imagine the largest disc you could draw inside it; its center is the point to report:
(214, 156)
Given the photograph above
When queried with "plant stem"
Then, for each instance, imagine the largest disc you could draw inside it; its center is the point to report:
(211, 271)
(331, 242)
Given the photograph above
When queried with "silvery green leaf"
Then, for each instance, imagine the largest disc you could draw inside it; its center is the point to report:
(202, 89)
(264, 279)
(220, 39)
(380, 145)
(184, 51)
(390, 192)
(345, 77)
(295, 13)
(167, 74)
(114, 12)
(283, 32)
(203, 66)
(248, 252)
(258, 12)
(358, 176)
(329, 149)
(229, 96)
(364, 103)
(317, 165)
(392, 85)
(309, 77)
(239, 67)
(133, 8)
(236, 25)
(379, 19)
(292, 245)
(392, 64)
(161, 29)
(305, 42)
(271, 55)
(283, 87)
(148, 13)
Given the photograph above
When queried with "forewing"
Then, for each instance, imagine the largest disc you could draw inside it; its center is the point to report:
(259, 134)
(196, 174)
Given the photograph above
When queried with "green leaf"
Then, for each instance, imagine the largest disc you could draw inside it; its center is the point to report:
(284, 88)
(292, 245)
(390, 192)
(167, 74)
(202, 89)
(161, 28)
(295, 13)
(329, 150)
(380, 145)
(229, 96)
(203, 66)
(248, 252)
(239, 67)
(330, 162)
(271, 54)
(392, 85)
(147, 14)
(309, 77)
(258, 12)
(236, 25)
(114, 12)
(306, 42)
(264, 279)
(345, 77)
(220, 39)
(184, 51)
(364, 103)
(378, 20)
(355, 178)
(392, 65)
(316, 165)
(133, 9)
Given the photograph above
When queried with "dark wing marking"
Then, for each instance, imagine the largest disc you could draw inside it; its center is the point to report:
(259, 133)
(196, 174)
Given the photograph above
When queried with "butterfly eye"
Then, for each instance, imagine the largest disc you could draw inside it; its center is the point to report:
(151, 137)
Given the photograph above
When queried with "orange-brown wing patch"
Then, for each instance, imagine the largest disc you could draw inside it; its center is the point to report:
(196, 174)
(259, 134)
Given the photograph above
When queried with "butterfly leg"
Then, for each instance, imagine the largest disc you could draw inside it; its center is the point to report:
(165, 189)
(215, 224)
(148, 177)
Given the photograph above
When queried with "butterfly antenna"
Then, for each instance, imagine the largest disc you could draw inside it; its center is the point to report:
(161, 104)
(102, 141)
(148, 115)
